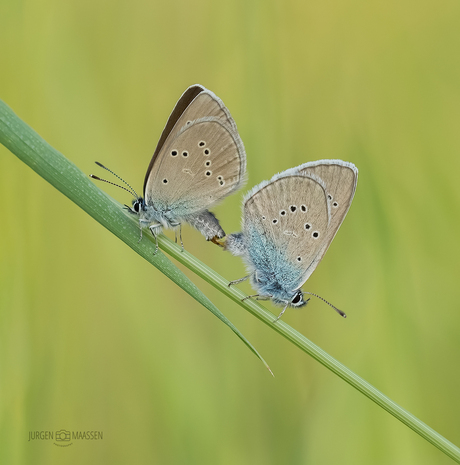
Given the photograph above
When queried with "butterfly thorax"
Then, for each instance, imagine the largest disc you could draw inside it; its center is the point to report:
(151, 216)
(154, 216)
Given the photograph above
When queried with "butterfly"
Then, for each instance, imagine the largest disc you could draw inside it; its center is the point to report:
(199, 160)
(288, 224)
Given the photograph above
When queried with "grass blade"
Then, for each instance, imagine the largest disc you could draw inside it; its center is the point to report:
(50, 164)
(256, 309)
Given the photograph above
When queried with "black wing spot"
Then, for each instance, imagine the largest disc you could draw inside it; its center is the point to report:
(307, 226)
(165, 181)
(208, 163)
(185, 154)
(303, 208)
(283, 212)
(299, 258)
(202, 143)
(208, 173)
(335, 204)
(293, 208)
(275, 221)
(329, 196)
(174, 153)
(206, 152)
(315, 234)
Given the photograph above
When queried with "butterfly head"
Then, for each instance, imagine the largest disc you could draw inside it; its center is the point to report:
(138, 206)
(298, 300)
(288, 299)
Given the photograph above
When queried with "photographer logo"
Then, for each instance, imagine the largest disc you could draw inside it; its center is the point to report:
(62, 435)
(65, 438)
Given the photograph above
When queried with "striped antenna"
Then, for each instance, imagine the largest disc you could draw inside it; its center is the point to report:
(132, 191)
(324, 300)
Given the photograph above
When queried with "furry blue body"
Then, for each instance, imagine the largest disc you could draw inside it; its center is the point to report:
(270, 272)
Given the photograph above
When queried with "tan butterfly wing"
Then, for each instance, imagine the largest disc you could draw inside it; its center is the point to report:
(197, 168)
(202, 127)
(340, 179)
(285, 224)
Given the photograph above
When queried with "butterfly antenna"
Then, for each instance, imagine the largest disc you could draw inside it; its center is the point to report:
(113, 184)
(133, 192)
(324, 300)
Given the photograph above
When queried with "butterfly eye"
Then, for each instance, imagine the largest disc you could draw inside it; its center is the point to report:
(174, 153)
(202, 143)
(297, 298)
(315, 235)
(303, 208)
(293, 208)
(335, 204)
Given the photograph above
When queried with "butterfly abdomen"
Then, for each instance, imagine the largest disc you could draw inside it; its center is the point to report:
(236, 244)
(207, 223)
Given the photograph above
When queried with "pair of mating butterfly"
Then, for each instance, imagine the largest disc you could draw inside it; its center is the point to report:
(288, 222)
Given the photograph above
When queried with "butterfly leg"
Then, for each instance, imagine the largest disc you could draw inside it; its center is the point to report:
(142, 223)
(154, 234)
(281, 314)
(258, 297)
(180, 234)
(140, 238)
(231, 283)
(180, 237)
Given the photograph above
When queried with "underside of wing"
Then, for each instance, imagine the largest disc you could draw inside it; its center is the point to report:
(340, 179)
(195, 103)
(197, 168)
(285, 224)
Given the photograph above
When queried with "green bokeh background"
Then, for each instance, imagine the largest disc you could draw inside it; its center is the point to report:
(94, 338)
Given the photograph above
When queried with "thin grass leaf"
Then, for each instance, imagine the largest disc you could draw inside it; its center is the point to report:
(50, 164)
(313, 350)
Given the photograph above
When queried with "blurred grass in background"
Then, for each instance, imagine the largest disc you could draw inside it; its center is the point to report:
(94, 338)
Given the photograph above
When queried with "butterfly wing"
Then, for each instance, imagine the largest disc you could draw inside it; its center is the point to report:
(340, 178)
(285, 225)
(199, 138)
(197, 168)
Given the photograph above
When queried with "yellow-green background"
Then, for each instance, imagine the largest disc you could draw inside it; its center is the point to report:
(94, 338)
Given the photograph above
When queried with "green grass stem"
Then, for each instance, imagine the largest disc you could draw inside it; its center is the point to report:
(50, 164)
